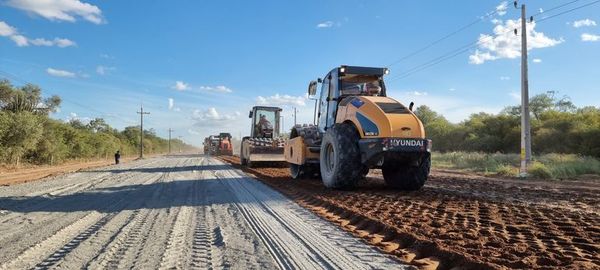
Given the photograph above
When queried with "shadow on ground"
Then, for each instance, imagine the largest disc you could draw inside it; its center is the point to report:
(178, 193)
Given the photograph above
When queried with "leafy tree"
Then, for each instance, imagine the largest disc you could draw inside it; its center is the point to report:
(27, 98)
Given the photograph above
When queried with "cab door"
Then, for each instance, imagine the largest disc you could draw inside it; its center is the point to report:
(323, 104)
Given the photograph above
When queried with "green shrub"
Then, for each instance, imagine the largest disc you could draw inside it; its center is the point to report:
(539, 170)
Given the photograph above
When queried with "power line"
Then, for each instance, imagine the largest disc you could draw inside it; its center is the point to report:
(479, 19)
(556, 7)
(568, 11)
(467, 47)
(15, 78)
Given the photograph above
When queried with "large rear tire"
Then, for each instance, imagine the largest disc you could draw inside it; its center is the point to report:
(407, 177)
(340, 157)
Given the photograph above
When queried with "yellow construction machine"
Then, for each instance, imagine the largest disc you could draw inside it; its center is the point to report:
(359, 128)
(264, 145)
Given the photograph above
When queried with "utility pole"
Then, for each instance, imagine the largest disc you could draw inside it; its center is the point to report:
(525, 153)
(142, 112)
(170, 130)
(295, 116)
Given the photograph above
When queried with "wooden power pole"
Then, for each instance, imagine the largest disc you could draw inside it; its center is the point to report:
(142, 112)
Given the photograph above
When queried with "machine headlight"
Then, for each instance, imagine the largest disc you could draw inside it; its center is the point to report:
(342, 69)
(387, 71)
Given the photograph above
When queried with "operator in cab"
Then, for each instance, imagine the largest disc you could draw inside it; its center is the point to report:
(265, 128)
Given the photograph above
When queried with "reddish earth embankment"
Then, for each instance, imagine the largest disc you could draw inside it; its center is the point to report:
(461, 220)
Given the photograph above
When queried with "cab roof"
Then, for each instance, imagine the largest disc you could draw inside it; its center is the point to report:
(373, 71)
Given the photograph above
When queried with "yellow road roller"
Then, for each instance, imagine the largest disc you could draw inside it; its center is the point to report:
(359, 128)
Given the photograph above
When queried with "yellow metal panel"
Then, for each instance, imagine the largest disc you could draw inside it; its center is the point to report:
(294, 151)
(389, 125)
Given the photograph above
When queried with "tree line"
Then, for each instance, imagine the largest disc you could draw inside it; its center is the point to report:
(557, 126)
(28, 134)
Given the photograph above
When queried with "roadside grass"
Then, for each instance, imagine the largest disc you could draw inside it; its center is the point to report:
(548, 166)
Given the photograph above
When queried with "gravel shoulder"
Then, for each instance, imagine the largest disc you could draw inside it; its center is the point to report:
(178, 212)
(460, 220)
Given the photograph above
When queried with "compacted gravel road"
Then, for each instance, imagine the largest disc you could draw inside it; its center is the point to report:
(178, 212)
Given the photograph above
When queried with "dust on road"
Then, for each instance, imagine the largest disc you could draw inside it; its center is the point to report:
(180, 212)
(461, 220)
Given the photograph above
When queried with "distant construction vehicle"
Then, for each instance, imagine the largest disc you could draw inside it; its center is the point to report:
(211, 144)
(359, 128)
(218, 144)
(225, 146)
(264, 145)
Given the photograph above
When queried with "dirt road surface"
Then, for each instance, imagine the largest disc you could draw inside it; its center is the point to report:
(461, 220)
(180, 212)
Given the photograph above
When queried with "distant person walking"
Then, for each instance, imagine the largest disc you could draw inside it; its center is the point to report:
(117, 157)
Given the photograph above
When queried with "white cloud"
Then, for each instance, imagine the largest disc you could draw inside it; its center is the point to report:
(74, 117)
(176, 109)
(6, 30)
(585, 22)
(60, 10)
(454, 108)
(326, 24)
(537, 60)
(103, 70)
(181, 86)
(216, 89)
(211, 117)
(504, 78)
(60, 42)
(417, 93)
(589, 37)
(60, 73)
(106, 56)
(22, 41)
(452, 89)
(505, 44)
(501, 9)
(280, 100)
(541, 10)
(171, 103)
(193, 132)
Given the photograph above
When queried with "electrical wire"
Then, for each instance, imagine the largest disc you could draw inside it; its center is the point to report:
(420, 50)
(15, 78)
(467, 47)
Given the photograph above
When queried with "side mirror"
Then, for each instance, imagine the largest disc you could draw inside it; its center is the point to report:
(312, 88)
(250, 114)
(411, 106)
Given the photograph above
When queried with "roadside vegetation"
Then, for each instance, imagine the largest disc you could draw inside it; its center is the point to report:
(565, 139)
(547, 166)
(29, 135)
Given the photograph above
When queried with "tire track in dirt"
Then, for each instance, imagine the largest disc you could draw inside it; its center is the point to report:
(77, 232)
(449, 227)
(44, 224)
(178, 239)
(288, 231)
(73, 187)
(127, 242)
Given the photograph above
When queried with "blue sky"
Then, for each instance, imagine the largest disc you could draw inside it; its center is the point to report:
(199, 66)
